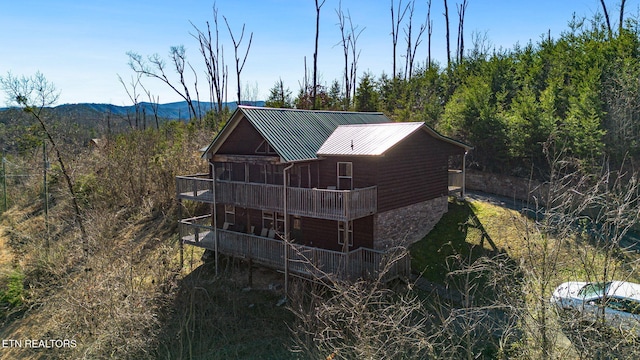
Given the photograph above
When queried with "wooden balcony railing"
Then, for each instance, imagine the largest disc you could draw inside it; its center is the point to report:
(342, 205)
(197, 187)
(303, 260)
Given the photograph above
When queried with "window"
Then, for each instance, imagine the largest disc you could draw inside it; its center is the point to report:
(223, 171)
(305, 176)
(264, 148)
(271, 220)
(229, 214)
(345, 233)
(277, 173)
(300, 176)
(272, 174)
(626, 305)
(256, 174)
(593, 289)
(345, 176)
(297, 223)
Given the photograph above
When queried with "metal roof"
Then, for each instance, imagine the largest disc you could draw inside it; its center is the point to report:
(295, 135)
(368, 139)
(376, 139)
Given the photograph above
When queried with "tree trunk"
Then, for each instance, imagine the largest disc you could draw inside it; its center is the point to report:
(446, 20)
(314, 91)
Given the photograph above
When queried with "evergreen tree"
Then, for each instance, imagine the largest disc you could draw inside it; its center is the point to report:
(366, 94)
(279, 97)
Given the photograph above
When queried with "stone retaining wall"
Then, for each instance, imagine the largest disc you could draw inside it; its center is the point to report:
(508, 186)
(409, 224)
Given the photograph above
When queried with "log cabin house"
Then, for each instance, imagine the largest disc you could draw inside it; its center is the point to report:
(342, 188)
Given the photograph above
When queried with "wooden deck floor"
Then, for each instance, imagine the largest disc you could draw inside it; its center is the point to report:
(304, 261)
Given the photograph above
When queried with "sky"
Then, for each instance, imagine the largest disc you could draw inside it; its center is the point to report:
(81, 46)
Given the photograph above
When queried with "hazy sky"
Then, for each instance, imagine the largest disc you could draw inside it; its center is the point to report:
(81, 46)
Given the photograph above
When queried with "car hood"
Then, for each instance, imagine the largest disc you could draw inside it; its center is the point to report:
(568, 290)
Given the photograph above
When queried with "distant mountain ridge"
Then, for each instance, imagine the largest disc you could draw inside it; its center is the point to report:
(78, 123)
(170, 111)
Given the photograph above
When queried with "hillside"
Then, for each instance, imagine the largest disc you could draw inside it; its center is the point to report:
(131, 297)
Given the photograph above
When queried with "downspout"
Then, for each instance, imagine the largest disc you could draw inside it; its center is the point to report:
(464, 174)
(215, 213)
(286, 231)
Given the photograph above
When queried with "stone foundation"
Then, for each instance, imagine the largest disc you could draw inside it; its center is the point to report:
(405, 226)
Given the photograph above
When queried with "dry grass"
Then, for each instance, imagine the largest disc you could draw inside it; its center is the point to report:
(506, 228)
(111, 303)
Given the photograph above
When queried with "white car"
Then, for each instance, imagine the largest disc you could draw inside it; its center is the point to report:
(618, 300)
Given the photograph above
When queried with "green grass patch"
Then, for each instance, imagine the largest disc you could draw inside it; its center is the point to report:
(449, 237)
(473, 229)
(468, 230)
(11, 291)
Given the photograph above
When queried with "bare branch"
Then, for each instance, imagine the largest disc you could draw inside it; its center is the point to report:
(236, 46)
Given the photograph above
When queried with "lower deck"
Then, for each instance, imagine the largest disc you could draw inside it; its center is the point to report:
(300, 260)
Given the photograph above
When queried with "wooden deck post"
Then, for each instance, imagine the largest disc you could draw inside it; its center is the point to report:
(181, 245)
(286, 231)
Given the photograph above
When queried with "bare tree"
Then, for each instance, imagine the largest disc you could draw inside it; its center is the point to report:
(446, 20)
(587, 216)
(345, 41)
(349, 41)
(35, 94)
(462, 8)
(314, 93)
(412, 46)
(154, 66)
(355, 55)
(429, 33)
(132, 92)
(363, 319)
(478, 309)
(606, 16)
(621, 20)
(154, 103)
(236, 46)
(251, 92)
(542, 258)
(621, 96)
(395, 29)
(213, 55)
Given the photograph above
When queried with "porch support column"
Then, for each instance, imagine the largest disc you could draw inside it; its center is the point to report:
(286, 230)
(345, 248)
(215, 213)
(180, 233)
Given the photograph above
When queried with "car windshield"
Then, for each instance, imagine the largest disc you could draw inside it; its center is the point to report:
(594, 289)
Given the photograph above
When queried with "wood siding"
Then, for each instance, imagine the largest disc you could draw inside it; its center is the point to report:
(244, 140)
(314, 232)
(324, 233)
(415, 170)
(364, 170)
